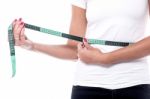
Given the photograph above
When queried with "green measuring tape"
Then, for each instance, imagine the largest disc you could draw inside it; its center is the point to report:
(56, 33)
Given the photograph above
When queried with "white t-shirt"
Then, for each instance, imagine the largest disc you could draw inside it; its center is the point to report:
(115, 20)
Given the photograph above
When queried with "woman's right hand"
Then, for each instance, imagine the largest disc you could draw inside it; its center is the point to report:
(19, 36)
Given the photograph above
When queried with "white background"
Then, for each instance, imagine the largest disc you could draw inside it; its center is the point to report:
(38, 76)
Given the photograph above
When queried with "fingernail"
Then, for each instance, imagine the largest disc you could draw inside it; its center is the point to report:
(21, 23)
(20, 19)
(83, 45)
(15, 20)
(84, 39)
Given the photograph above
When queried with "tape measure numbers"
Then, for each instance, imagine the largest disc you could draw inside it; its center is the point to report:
(56, 33)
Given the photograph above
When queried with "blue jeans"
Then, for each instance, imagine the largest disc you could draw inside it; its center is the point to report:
(134, 92)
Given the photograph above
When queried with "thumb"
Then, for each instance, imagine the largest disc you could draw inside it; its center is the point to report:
(86, 44)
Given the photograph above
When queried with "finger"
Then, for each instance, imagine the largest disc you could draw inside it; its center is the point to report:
(16, 29)
(80, 46)
(17, 23)
(14, 22)
(17, 34)
(22, 36)
(86, 44)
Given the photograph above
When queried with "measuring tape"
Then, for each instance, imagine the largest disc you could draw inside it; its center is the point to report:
(56, 33)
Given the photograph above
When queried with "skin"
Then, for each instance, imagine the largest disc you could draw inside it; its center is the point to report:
(83, 51)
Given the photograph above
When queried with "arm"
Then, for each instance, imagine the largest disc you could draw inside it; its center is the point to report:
(135, 51)
(66, 51)
(92, 55)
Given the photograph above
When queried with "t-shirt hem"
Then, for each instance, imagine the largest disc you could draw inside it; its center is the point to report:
(113, 86)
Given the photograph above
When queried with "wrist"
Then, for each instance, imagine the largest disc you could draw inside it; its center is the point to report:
(33, 46)
(29, 45)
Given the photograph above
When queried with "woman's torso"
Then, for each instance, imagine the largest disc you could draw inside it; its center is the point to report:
(115, 20)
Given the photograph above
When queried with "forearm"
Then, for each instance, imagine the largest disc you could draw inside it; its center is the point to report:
(132, 52)
(58, 51)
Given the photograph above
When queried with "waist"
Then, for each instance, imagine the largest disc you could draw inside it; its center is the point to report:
(116, 76)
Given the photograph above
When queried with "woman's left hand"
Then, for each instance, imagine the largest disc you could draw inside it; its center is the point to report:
(91, 55)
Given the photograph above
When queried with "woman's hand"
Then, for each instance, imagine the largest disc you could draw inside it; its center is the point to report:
(19, 36)
(91, 55)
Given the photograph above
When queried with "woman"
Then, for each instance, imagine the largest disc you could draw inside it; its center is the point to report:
(104, 72)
